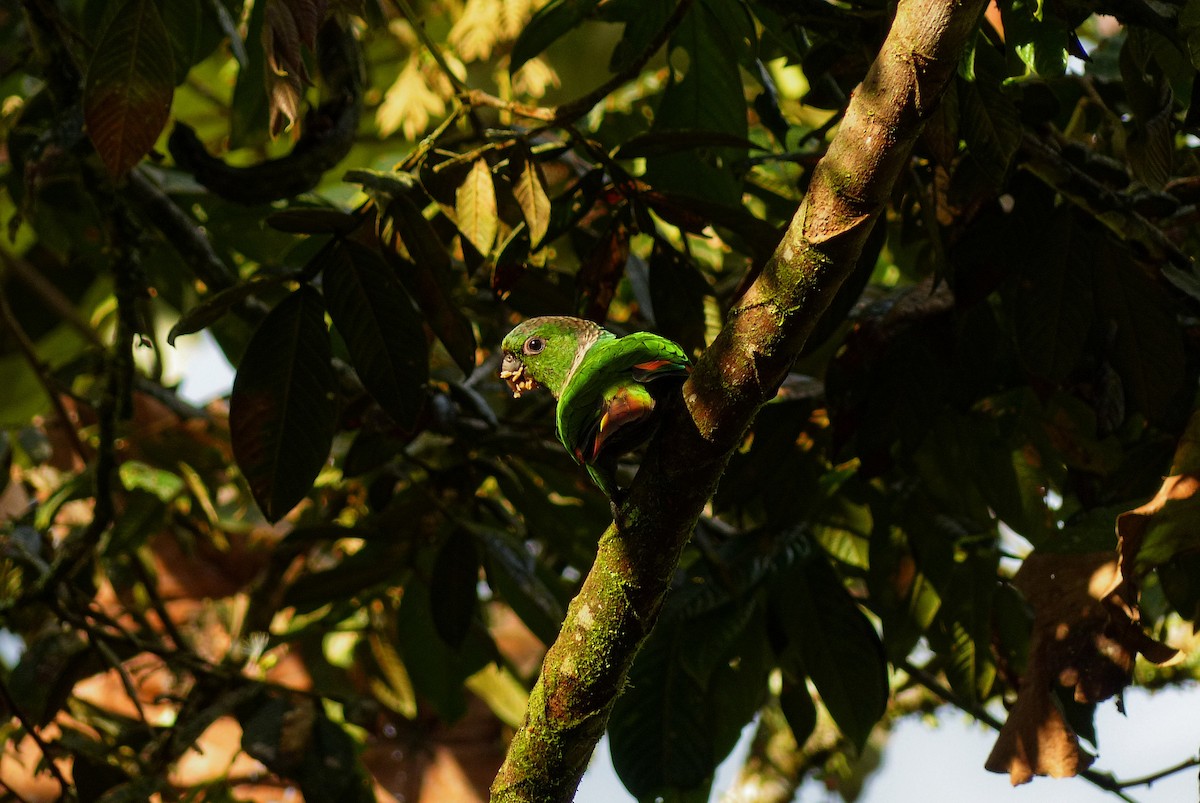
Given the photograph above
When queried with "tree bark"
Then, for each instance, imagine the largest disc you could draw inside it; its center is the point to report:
(606, 624)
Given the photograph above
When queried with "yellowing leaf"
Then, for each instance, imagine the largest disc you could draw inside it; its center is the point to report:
(475, 205)
(129, 85)
(530, 191)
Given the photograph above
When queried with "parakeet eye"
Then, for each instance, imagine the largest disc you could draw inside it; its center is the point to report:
(534, 345)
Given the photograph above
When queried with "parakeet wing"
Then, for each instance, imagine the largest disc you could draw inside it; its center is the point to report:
(624, 370)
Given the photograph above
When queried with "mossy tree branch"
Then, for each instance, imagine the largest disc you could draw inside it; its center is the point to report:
(621, 597)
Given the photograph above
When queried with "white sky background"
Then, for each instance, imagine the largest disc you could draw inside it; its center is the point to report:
(944, 763)
(921, 763)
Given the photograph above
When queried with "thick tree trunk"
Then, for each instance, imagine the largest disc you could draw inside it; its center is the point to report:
(608, 621)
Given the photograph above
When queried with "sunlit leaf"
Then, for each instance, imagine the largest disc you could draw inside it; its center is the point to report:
(530, 190)
(475, 205)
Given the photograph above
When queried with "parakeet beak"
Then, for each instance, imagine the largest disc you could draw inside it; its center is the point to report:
(513, 372)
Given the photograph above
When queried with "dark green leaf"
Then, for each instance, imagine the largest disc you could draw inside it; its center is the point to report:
(513, 573)
(184, 23)
(47, 672)
(677, 293)
(129, 85)
(453, 595)
(836, 645)
(687, 700)
(798, 708)
(990, 124)
(549, 23)
(901, 594)
(281, 412)
(1051, 305)
(437, 669)
(962, 632)
(643, 20)
(427, 276)
(143, 516)
(381, 328)
(213, 307)
(1036, 36)
(709, 97)
(249, 113)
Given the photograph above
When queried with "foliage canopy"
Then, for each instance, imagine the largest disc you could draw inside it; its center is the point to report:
(957, 493)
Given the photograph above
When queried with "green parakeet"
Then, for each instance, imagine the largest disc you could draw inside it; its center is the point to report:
(607, 387)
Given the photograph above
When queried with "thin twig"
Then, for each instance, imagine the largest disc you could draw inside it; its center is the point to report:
(1146, 780)
(434, 50)
(37, 738)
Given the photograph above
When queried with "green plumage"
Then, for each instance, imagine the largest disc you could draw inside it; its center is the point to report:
(608, 388)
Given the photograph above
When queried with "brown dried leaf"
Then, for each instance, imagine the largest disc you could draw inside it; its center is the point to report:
(1082, 638)
(289, 26)
(1166, 526)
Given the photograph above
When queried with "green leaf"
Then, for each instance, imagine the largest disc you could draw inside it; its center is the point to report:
(381, 328)
(281, 412)
(990, 123)
(47, 672)
(901, 594)
(249, 114)
(437, 669)
(453, 587)
(643, 20)
(144, 514)
(798, 709)
(709, 97)
(835, 643)
(427, 276)
(677, 293)
(475, 207)
(658, 143)
(962, 632)
(687, 700)
(530, 190)
(214, 306)
(514, 574)
(549, 23)
(1036, 37)
(184, 21)
(129, 85)
(136, 475)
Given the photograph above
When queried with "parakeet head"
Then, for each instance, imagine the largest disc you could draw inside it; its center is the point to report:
(543, 352)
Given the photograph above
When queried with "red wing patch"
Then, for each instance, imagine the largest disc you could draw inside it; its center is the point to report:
(622, 409)
(653, 365)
